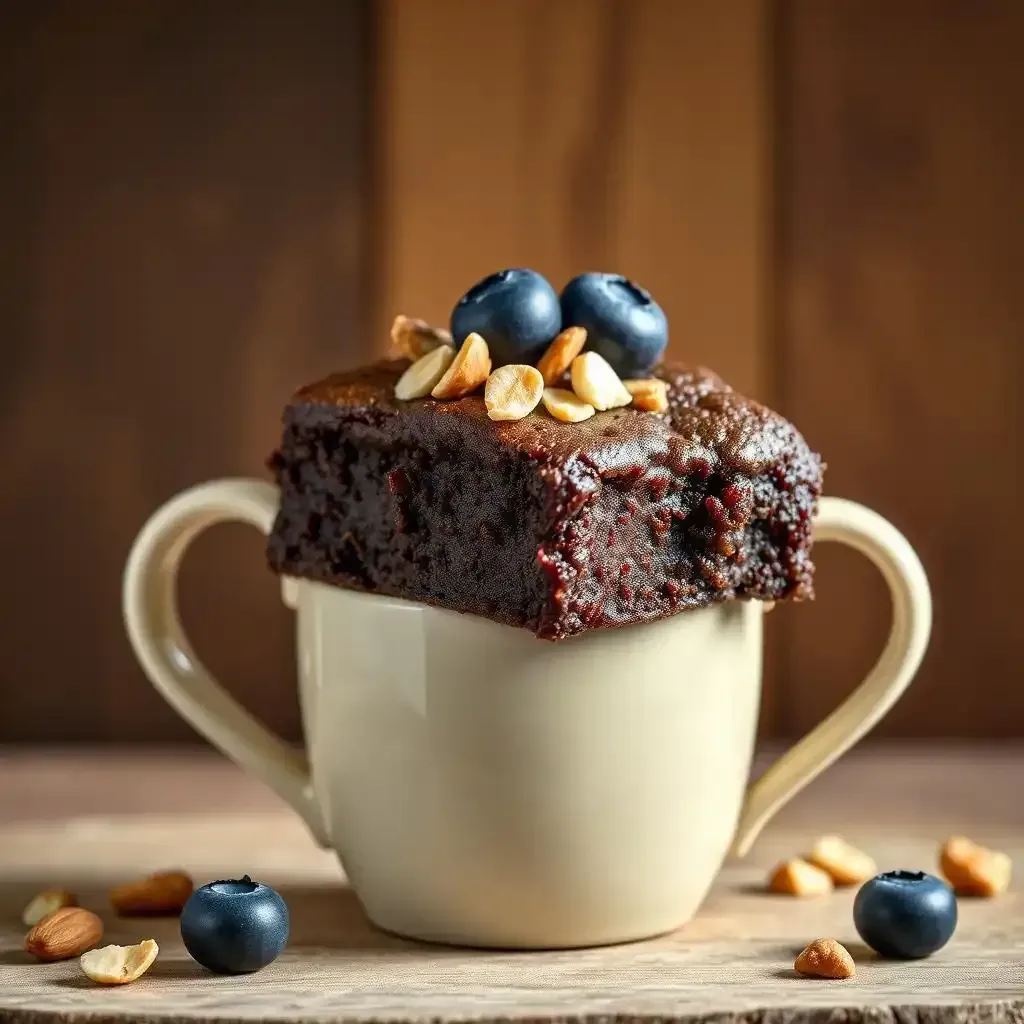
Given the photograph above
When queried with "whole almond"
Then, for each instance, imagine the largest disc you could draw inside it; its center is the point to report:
(415, 338)
(565, 406)
(67, 932)
(825, 958)
(46, 902)
(119, 965)
(159, 895)
(798, 878)
(421, 378)
(649, 394)
(974, 870)
(513, 392)
(468, 371)
(844, 863)
(594, 380)
(560, 354)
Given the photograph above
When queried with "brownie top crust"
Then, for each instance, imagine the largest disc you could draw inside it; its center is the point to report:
(706, 421)
(624, 517)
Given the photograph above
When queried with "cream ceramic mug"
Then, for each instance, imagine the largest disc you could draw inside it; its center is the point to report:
(483, 787)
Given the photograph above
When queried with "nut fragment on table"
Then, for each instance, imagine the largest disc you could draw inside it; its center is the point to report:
(594, 380)
(797, 877)
(649, 393)
(565, 406)
(844, 863)
(119, 965)
(159, 895)
(415, 338)
(421, 378)
(825, 958)
(63, 934)
(512, 392)
(468, 370)
(560, 354)
(974, 870)
(46, 902)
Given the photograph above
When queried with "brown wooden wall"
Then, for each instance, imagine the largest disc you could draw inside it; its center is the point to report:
(183, 188)
(205, 204)
(901, 302)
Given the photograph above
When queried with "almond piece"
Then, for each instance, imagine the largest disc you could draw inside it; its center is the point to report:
(560, 354)
(119, 965)
(649, 394)
(974, 870)
(565, 406)
(415, 338)
(421, 378)
(67, 932)
(513, 392)
(45, 903)
(596, 382)
(469, 369)
(845, 863)
(798, 878)
(825, 958)
(159, 895)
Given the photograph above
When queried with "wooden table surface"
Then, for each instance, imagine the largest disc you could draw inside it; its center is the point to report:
(86, 820)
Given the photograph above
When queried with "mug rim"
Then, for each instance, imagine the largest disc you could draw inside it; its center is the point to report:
(292, 585)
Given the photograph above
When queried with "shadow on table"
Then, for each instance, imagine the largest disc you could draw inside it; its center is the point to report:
(330, 917)
(323, 916)
(15, 958)
(182, 969)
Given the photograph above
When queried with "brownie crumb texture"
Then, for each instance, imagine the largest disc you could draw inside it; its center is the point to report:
(552, 526)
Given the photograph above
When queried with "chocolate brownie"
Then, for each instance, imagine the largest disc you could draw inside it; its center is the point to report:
(555, 527)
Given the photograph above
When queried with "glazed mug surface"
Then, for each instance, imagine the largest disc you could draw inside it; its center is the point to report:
(482, 787)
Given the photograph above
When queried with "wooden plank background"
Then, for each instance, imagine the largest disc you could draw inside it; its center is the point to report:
(182, 188)
(204, 205)
(902, 303)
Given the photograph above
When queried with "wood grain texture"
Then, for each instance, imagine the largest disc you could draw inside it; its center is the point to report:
(579, 135)
(624, 135)
(183, 234)
(732, 963)
(901, 262)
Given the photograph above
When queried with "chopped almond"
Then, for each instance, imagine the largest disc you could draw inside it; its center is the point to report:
(45, 903)
(159, 895)
(797, 877)
(119, 965)
(649, 394)
(975, 870)
(825, 958)
(845, 863)
(594, 380)
(415, 338)
(513, 392)
(560, 354)
(421, 378)
(565, 406)
(469, 369)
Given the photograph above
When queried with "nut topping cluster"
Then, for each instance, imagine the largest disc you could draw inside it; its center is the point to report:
(513, 391)
(514, 322)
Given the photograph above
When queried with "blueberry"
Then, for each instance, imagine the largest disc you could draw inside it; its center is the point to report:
(905, 914)
(624, 324)
(516, 312)
(234, 927)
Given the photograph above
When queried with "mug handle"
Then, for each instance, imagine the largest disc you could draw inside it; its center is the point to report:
(150, 606)
(853, 524)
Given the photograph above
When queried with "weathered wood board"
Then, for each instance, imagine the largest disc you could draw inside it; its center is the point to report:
(733, 963)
